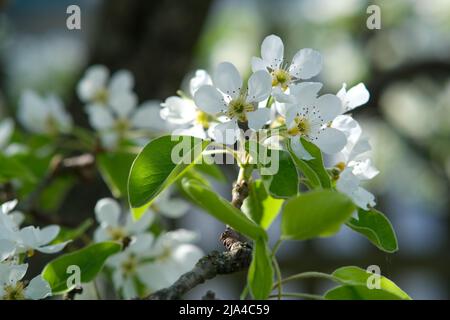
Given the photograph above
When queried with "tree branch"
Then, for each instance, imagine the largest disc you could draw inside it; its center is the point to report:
(237, 257)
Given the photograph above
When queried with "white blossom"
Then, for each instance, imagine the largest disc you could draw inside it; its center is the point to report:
(228, 98)
(12, 287)
(43, 115)
(353, 98)
(353, 163)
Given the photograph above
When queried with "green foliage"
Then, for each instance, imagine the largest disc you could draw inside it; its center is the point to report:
(154, 170)
(355, 286)
(114, 168)
(260, 273)
(315, 214)
(284, 183)
(222, 210)
(89, 260)
(210, 170)
(313, 169)
(377, 228)
(260, 206)
(11, 168)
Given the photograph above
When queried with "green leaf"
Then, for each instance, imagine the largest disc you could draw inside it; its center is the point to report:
(89, 260)
(10, 168)
(355, 283)
(222, 210)
(260, 272)
(114, 168)
(211, 170)
(377, 228)
(260, 206)
(283, 183)
(154, 170)
(315, 214)
(66, 234)
(314, 169)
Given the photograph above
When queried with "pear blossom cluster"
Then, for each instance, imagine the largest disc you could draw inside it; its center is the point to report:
(112, 106)
(280, 95)
(18, 244)
(153, 261)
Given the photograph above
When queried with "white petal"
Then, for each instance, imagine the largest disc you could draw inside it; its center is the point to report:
(32, 112)
(38, 289)
(141, 243)
(148, 116)
(179, 236)
(305, 92)
(53, 248)
(100, 117)
(355, 97)
(10, 273)
(107, 212)
(194, 131)
(282, 96)
(128, 289)
(29, 237)
(121, 80)
(329, 106)
(364, 170)
(258, 118)
(172, 207)
(8, 206)
(200, 79)
(6, 131)
(347, 182)
(227, 79)
(208, 99)
(142, 225)
(123, 103)
(272, 51)
(178, 110)
(58, 114)
(47, 234)
(7, 249)
(93, 80)
(299, 150)
(306, 64)
(258, 64)
(363, 198)
(226, 132)
(186, 256)
(259, 86)
(109, 140)
(101, 234)
(331, 140)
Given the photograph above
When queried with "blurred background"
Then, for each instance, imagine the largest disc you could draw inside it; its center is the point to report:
(405, 65)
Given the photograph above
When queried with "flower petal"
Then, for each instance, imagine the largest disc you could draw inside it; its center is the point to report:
(364, 170)
(299, 150)
(329, 106)
(306, 64)
(258, 118)
(178, 110)
(258, 64)
(200, 79)
(94, 80)
(330, 140)
(210, 100)
(100, 117)
(47, 234)
(363, 198)
(148, 116)
(259, 86)
(121, 80)
(355, 97)
(226, 132)
(38, 289)
(272, 51)
(107, 212)
(305, 92)
(7, 249)
(6, 131)
(123, 103)
(227, 79)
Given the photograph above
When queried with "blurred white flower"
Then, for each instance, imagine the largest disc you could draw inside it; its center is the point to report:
(6, 131)
(14, 240)
(43, 115)
(108, 214)
(12, 287)
(227, 97)
(308, 117)
(156, 264)
(96, 88)
(182, 111)
(305, 64)
(114, 125)
(353, 98)
(353, 163)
